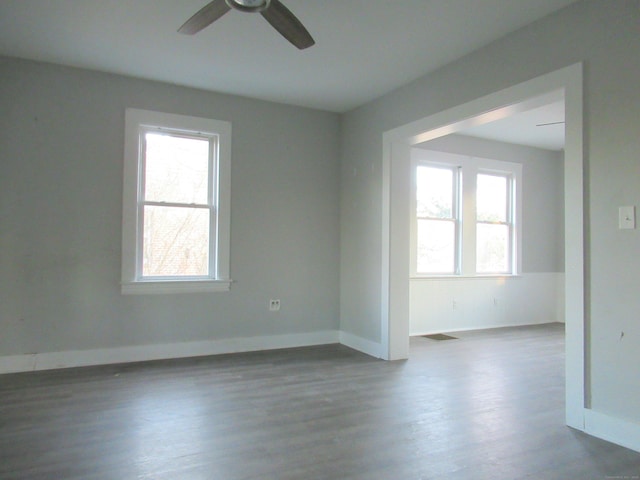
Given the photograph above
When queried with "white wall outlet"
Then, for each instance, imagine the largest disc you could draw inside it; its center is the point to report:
(627, 217)
(274, 305)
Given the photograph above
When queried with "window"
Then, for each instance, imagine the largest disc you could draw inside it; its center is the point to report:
(175, 204)
(494, 232)
(465, 216)
(437, 219)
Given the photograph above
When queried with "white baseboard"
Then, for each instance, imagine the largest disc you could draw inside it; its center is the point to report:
(363, 345)
(612, 429)
(138, 353)
(483, 327)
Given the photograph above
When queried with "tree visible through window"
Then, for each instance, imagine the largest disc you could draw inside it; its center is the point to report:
(176, 206)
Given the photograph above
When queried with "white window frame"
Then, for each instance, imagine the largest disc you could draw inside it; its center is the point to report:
(469, 167)
(456, 215)
(510, 217)
(137, 123)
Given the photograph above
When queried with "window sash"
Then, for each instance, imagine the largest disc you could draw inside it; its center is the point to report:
(454, 218)
(451, 201)
(507, 223)
(189, 253)
(426, 264)
(212, 141)
(484, 261)
(505, 202)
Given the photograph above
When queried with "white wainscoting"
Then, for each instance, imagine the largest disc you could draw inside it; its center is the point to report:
(470, 303)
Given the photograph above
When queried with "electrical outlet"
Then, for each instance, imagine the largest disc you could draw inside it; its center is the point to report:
(274, 305)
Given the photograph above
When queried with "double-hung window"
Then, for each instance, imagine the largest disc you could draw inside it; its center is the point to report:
(494, 223)
(437, 219)
(465, 218)
(175, 203)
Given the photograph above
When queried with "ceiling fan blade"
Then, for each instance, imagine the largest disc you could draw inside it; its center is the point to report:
(547, 124)
(205, 17)
(288, 25)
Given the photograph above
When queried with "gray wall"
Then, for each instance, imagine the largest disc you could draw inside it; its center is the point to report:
(604, 35)
(542, 195)
(61, 148)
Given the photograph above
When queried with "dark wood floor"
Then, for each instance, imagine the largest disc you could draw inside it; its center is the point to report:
(488, 405)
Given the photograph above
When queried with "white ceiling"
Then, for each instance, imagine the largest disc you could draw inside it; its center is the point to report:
(529, 128)
(364, 48)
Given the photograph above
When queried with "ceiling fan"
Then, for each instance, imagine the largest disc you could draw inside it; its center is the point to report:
(279, 16)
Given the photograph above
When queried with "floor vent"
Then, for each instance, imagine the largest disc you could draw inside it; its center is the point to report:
(440, 336)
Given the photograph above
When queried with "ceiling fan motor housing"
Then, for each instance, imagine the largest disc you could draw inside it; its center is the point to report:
(249, 5)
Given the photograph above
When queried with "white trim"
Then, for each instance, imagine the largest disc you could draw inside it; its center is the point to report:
(166, 287)
(483, 327)
(139, 353)
(219, 279)
(576, 363)
(396, 144)
(17, 363)
(484, 276)
(621, 432)
(363, 345)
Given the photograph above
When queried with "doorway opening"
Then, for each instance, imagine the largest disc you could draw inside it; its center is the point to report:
(397, 146)
(473, 214)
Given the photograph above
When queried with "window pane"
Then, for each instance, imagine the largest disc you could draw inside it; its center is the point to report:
(491, 201)
(176, 241)
(177, 169)
(434, 192)
(436, 246)
(492, 248)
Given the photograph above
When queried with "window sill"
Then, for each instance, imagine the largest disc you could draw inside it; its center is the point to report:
(156, 287)
(465, 277)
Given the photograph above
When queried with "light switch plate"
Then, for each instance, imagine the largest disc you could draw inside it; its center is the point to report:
(627, 217)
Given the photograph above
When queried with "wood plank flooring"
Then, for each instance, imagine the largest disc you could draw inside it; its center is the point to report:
(488, 405)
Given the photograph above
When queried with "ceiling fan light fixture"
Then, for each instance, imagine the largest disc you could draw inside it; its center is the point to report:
(250, 6)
